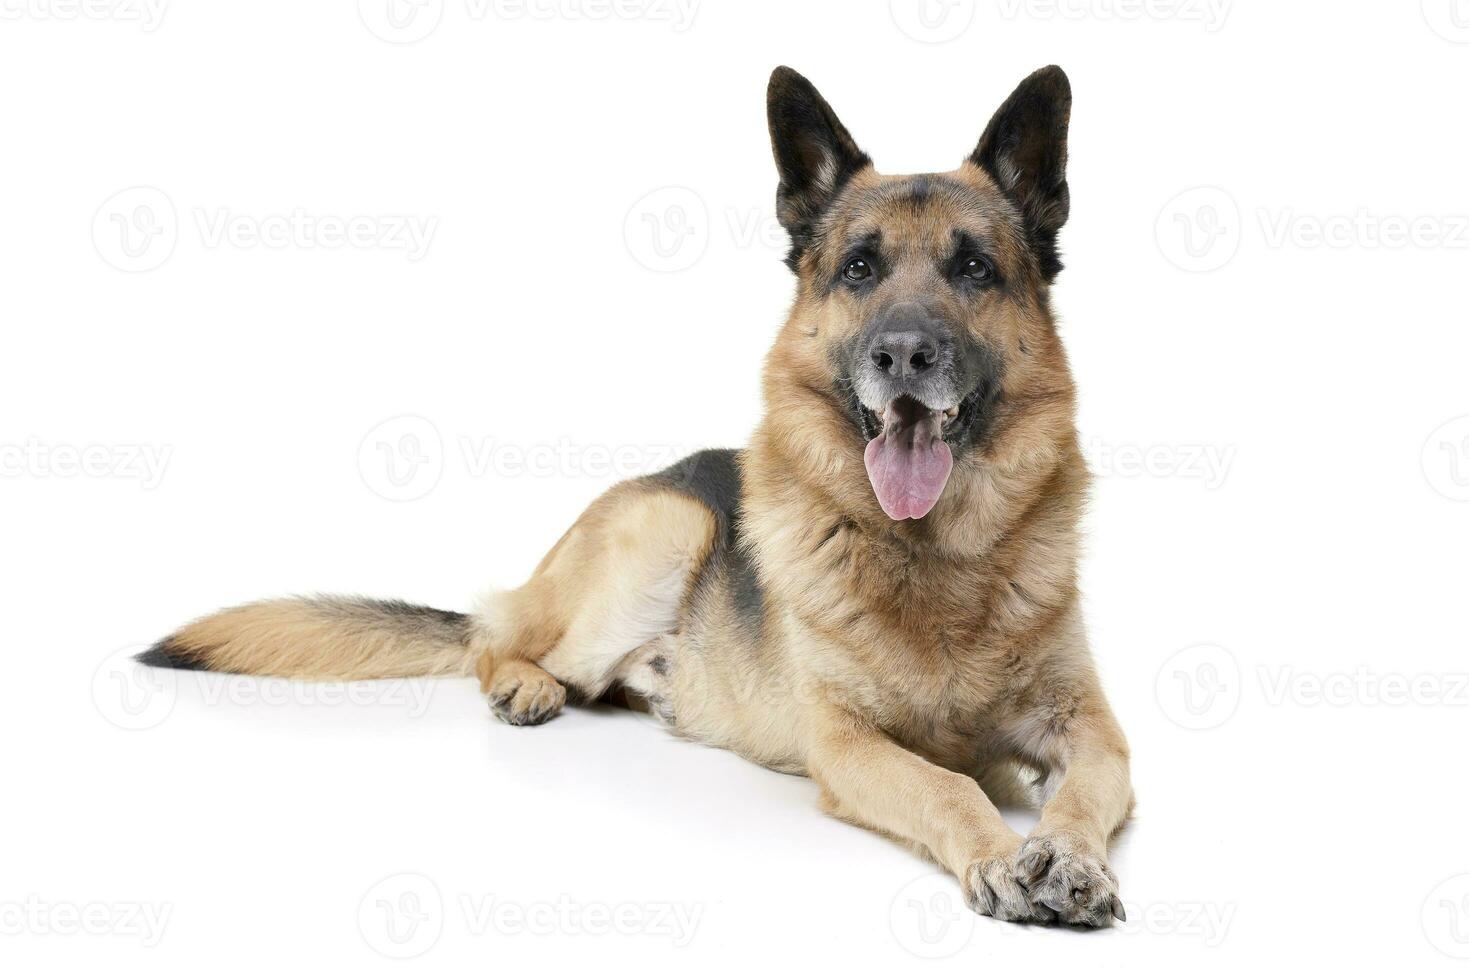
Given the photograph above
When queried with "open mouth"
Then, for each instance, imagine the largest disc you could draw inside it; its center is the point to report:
(908, 458)
(956, 418)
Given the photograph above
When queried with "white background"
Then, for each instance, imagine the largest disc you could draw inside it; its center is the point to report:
(1275, 573)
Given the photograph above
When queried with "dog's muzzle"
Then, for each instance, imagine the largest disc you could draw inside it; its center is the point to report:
(908, 391)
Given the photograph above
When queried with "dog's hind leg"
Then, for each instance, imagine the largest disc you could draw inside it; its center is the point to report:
(618, 580)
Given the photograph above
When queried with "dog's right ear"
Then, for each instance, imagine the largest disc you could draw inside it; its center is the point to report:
(814, 154)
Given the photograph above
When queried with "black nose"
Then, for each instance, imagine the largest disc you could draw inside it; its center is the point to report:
(904, 353)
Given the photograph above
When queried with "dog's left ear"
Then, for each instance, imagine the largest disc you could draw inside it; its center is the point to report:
(1024, 150)
(814, 154)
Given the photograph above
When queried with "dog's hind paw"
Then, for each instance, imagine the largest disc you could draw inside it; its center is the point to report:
(523, 694)
(1060, 872)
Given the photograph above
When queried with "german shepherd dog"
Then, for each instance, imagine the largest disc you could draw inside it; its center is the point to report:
(880, 591)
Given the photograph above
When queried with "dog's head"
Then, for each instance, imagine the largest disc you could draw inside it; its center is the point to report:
(922, 309)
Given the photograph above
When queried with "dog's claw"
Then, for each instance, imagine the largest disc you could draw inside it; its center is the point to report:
(1032, 866)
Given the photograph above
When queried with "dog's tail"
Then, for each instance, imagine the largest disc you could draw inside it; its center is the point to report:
(324, 638)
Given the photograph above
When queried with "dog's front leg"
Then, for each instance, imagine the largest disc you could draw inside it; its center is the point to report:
(1063, 864)
(868, 779)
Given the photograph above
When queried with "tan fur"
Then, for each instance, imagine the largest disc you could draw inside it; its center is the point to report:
(616, 581)
(900, 664)
(325, 639)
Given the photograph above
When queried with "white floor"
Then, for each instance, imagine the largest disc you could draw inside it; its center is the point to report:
(234, 825)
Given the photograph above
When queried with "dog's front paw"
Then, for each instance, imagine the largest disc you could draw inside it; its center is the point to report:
(1062, 873)
(992, 887)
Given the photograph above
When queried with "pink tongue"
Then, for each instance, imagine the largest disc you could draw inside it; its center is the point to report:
(908, 466)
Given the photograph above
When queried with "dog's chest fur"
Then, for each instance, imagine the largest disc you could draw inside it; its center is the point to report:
(934, 646)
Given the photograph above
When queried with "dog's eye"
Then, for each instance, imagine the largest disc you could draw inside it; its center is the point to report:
(856, 270)
(977, 269)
